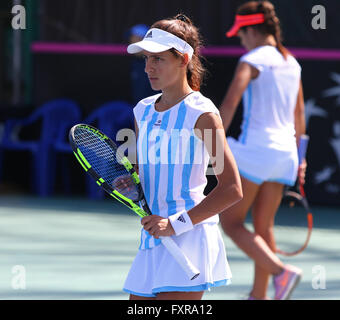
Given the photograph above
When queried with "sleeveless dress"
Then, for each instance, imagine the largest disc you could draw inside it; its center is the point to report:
(172, 164)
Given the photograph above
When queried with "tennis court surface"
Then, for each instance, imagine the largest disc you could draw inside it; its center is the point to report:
(71, 248)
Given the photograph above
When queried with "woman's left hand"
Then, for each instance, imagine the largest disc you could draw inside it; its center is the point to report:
(157, 226)
(302, 172)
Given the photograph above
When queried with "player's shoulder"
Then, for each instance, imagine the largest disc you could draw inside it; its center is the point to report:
(144, 103)
(199, 103)
(261, 55)
(255, 53)
(268, 56)
(293, 62)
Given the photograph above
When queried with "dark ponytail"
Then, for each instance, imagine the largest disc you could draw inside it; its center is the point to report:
(182, 27)
(271, 24)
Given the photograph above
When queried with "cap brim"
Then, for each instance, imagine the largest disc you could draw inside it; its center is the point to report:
(148, 45)
(233, 31)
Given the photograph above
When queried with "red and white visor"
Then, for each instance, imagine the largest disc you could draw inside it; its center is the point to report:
(245, 20)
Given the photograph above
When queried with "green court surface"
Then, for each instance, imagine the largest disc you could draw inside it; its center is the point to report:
(72, 248)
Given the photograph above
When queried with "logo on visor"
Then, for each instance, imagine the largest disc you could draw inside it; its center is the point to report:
(149, 35)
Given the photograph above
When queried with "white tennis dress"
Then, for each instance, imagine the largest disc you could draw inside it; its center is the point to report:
(266, 149)
(172, 165)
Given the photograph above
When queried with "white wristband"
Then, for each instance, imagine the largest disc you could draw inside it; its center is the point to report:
(181, 222)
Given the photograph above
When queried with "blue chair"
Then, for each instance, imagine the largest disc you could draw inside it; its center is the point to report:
(110, 117)
(52, 116)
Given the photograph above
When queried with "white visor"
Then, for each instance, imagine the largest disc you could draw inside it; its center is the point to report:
(157, 40)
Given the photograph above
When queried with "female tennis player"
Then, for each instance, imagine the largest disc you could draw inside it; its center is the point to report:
(268, 77)
(173, 153)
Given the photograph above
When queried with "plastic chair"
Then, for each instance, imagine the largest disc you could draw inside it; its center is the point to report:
(110, 117)
(52, 115)
(61, 146)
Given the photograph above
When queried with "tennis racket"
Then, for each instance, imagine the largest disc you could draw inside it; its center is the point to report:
(294, 216)
(100, 158)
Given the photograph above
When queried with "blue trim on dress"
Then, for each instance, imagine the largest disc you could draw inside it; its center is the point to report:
(250, 177)
(197, 288)
(140, 294)
(201, 287)
(260, 181)
(283, 181)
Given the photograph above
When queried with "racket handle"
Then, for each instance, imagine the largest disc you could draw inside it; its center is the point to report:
(180, 257)
(303, 143)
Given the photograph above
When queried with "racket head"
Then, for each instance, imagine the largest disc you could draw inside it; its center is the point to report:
(101, 159)
(293, 224)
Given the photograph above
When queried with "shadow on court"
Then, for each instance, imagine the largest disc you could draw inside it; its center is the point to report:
(63, 248)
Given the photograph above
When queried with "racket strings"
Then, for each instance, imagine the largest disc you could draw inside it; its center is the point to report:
(106, 162)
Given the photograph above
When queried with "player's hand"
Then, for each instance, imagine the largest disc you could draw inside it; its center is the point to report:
(157, 226)
(302, 172)
(126, 187)
(122, 182)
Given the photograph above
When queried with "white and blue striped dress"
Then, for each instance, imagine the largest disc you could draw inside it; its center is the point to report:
(172, 164)
(172, 160)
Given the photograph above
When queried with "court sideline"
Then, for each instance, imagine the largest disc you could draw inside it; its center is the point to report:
(80, 249)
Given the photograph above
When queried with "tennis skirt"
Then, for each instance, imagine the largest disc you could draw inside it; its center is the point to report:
(259, 164)
(155, 270)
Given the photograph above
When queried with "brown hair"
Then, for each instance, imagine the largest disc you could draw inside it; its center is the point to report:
(271, 24)
(182, 27)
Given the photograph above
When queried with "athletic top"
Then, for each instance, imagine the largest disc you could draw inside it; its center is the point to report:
(270, 99)
(172, 160)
